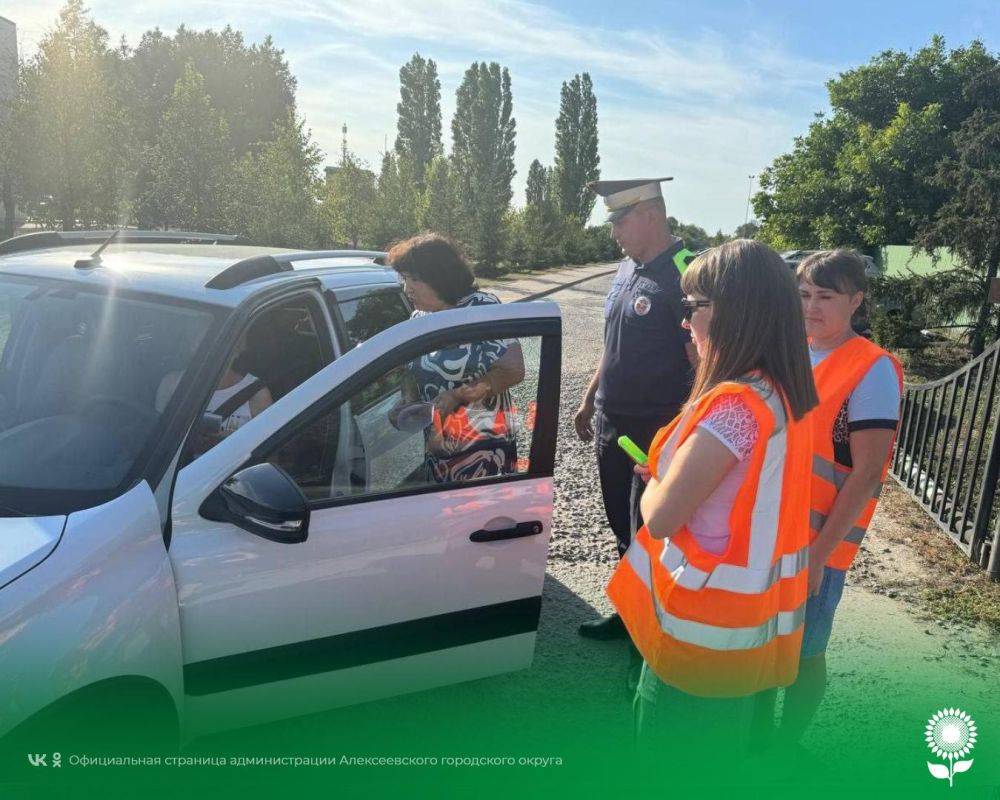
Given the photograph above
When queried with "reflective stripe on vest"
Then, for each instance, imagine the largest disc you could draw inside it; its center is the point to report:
(727, 625)
(837, 376)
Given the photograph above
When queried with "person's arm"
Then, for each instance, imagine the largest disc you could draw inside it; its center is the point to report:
(585, 414)
(695, 471)
(506, 371)
(869, 450)
(260, 401)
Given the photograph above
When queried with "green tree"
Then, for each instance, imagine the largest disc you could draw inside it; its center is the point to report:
(440, 210)
(275, 194)
(418, 122)
(968, 222)
(350, 201)
(483, 131)
(577, 159)
(536, 191)
(748, 230)
(187, 172)
(396, 202)
(250, 86)
(863, 176)
(70, 129)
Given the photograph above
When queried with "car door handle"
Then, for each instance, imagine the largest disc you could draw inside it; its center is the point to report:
(515, 532)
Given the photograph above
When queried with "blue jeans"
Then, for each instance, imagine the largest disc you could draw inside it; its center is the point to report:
(820, 609)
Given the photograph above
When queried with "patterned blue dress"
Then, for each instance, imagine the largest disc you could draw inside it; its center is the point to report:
(477, 440)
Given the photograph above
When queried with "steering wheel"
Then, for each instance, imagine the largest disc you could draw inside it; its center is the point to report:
(144, 413)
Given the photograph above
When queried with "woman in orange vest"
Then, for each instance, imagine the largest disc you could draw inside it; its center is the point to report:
(713, 588)
(859, 386)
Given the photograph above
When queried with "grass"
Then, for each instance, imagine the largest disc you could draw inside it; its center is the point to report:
(932, 362)
(953, 587)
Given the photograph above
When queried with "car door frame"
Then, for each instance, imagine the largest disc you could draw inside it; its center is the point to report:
(196, 387)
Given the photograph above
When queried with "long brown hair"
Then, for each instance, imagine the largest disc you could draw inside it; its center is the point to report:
(756, 321)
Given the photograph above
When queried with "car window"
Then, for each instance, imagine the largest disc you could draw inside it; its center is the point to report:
(400, 430)
(365, 316)
(280, 348)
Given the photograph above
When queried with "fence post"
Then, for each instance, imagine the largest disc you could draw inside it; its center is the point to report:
(984, 506)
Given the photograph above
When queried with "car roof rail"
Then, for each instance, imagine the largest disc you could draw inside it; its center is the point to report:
(42, 240)
(259, 266)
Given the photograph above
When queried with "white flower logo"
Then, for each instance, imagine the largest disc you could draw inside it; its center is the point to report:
(951, 734)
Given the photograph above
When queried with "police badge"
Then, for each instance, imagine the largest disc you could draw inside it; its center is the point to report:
(642, 305)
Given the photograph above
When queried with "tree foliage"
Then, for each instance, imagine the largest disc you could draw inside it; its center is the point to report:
(440, 208)
(418, 122)
(483, 130)
(577, 158)
(275, 196)
(70, 128)
(187, 171)
(396, 202)
(350, 201)
(864, 176)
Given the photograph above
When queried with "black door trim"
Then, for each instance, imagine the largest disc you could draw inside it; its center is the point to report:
(357, 648)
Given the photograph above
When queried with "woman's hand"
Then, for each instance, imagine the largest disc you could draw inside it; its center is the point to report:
(446, 402)
(642, 470)
(817, 562)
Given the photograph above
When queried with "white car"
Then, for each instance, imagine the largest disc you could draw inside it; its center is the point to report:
(302, 562)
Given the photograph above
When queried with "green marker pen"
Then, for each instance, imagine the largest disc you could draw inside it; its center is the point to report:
(633, 451)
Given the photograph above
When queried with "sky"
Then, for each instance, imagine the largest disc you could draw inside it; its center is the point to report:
(709, 92)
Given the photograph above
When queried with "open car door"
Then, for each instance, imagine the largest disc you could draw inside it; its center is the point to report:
(423, 554)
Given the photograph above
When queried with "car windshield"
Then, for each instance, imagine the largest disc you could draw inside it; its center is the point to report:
(84, 379)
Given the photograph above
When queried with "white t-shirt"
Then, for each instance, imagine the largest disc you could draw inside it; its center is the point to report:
(876, 397)
(241, 415)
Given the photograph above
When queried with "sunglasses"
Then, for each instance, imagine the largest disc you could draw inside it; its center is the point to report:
(690, 306)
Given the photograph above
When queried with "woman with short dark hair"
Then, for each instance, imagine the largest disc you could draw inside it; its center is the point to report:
(854, 427)
(472, 433)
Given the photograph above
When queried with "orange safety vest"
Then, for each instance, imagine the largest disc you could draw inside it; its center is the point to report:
(836, 376)
(727, 625)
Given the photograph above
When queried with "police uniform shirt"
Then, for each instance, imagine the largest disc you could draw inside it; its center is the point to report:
(646, 371)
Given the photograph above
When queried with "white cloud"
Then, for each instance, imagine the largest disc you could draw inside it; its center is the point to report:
(705, 108)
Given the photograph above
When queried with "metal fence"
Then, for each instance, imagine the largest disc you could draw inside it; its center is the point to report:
(948, 455)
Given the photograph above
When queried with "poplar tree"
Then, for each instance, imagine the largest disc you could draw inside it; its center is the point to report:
(440, 211)
(483, 131)
(577, 160)
(418, 122)
(396, 203)
(536, 190)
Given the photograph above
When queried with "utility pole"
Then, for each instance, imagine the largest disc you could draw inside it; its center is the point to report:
(343, 146)
(749, 195)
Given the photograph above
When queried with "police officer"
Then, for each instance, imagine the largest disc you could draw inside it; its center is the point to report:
(645, 372)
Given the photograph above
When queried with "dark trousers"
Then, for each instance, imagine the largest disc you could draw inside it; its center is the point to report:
(620, 487)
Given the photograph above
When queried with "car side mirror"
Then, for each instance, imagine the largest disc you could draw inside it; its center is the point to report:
(264, 500)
